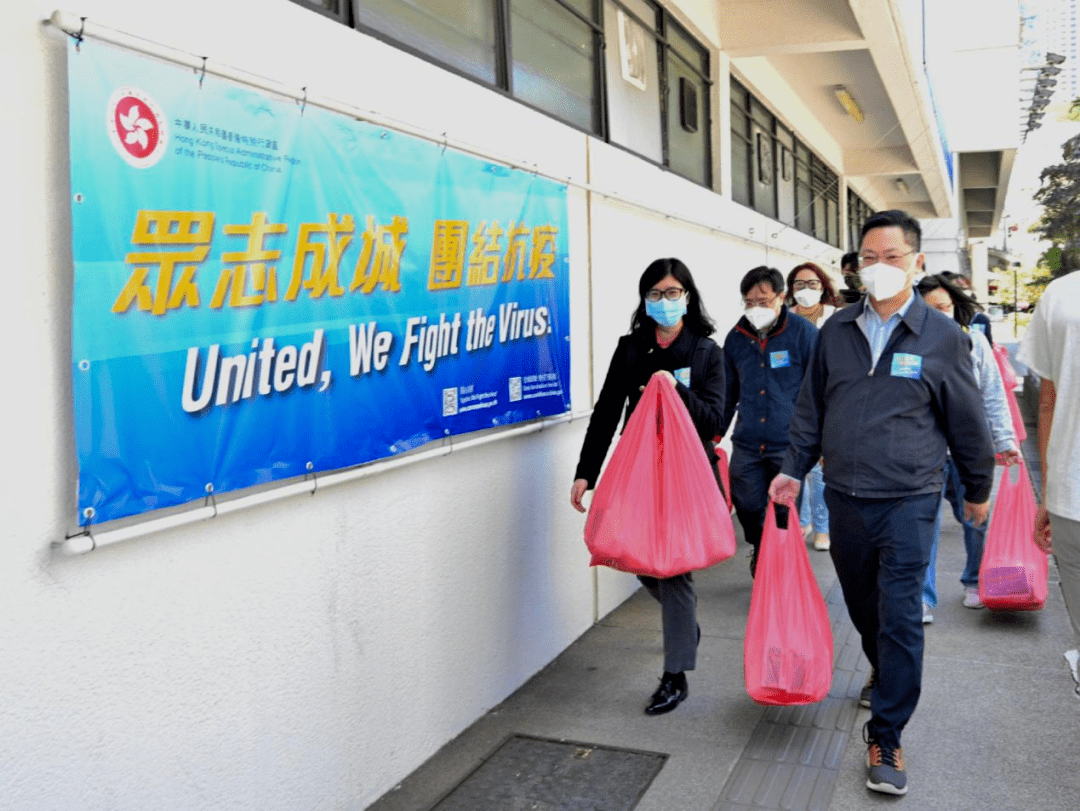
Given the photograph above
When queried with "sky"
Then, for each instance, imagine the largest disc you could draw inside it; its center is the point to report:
(1042, 22)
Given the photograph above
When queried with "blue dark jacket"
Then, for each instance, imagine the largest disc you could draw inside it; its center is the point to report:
(762, 379)
(884, 430)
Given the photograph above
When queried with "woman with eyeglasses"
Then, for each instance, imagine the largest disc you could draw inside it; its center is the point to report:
(942, 294)
(669, 339)
(811, 294)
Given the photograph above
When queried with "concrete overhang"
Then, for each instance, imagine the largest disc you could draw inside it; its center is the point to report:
(816, 45)
(984, 182)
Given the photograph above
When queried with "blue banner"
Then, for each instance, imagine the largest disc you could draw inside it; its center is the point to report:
(265, 289)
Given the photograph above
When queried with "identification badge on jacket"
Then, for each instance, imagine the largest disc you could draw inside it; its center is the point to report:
(780, 360)
(683, 375)
(905, 365)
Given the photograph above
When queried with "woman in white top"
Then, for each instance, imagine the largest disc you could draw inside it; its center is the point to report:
(812, 295)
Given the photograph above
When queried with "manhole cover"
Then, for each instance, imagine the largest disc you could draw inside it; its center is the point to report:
(534, 774)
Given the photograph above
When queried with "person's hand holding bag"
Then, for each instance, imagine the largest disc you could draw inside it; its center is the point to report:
(577, 493)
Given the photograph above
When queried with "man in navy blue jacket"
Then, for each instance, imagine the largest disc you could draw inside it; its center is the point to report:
(890, 389)
(766, 355)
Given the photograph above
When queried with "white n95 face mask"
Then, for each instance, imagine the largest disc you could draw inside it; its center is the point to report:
(883, 281)
(807, 297)
(761, 317)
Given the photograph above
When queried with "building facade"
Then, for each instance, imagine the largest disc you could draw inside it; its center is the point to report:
(311, 651)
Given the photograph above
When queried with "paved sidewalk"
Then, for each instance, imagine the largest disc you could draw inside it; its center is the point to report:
(997, 727)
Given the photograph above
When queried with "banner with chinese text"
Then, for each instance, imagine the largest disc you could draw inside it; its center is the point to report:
(265, 289)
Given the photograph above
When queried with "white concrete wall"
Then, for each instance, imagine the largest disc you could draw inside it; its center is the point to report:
(309, 653)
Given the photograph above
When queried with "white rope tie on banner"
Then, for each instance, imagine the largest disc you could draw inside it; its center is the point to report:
(88, 540)
(81, 28)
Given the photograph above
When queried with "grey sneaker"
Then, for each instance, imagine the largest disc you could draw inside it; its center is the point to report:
(867, 691)
(971, 597)
(927, 614)
(886, 765)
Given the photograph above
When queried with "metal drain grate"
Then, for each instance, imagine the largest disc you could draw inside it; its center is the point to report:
(536, 774)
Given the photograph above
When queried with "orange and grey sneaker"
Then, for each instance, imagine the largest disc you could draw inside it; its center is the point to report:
(887, 774)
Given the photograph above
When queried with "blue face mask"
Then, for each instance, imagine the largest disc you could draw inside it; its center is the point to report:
(666, 313)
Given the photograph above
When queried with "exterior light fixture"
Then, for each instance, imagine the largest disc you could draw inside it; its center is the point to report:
(1054, 59)
(1042, 70)
(848, 103)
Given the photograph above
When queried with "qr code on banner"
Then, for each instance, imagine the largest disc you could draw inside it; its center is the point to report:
(449, 402)
(515, 389)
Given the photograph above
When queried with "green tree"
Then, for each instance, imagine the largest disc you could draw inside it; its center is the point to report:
(1059, 224)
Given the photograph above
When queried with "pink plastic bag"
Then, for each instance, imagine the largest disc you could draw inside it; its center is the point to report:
(1014, 571)
(657, 510)
(1011, 381)
(1008, 373)
(1017, 419)
(788, 648)
(723, 469)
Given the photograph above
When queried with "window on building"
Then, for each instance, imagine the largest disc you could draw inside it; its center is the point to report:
(776, 174)
(553, 53)
(458, 33)
(741, 149)
(687, 89)
(858, 212)
(785, 175)
(621, 69)
(338, 9)
(819, 187)
(632, 67)
(804, 196)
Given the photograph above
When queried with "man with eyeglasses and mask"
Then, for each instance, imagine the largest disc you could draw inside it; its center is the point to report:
(890, 389)
(765, 356)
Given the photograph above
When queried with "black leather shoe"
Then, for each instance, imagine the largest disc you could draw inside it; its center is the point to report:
(667, 697)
